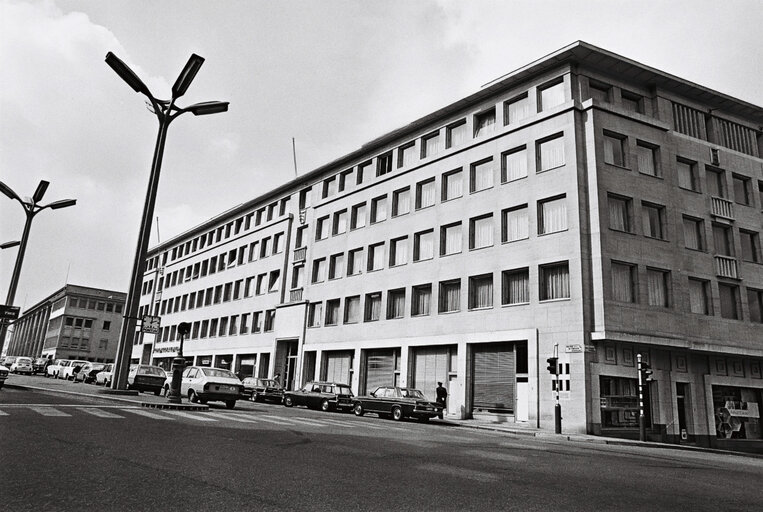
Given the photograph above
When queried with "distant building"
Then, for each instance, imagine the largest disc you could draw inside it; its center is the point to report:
(75, 322)
(585, 205)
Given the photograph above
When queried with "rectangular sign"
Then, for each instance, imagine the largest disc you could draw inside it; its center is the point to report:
(150, 324)
(573, 348)
(9, 312)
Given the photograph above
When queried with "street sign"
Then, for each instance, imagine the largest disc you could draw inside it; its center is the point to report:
(151, 324)
(9, 312)
(573, 348)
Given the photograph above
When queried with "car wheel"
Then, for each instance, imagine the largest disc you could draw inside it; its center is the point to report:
(193, 397)
(288, 401)
(358, 409)
(255, 397)
(230, 404)
(325, 406)
(397, 413)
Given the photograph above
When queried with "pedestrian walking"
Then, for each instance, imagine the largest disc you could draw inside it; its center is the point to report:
(442, 397)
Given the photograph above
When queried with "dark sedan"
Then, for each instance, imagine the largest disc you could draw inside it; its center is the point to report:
(397, 403)
(266, 390)
(325, 396)
(38, 366)
(88, 372)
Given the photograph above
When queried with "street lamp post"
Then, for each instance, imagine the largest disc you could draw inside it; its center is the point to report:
(166, 112)
(31, 207)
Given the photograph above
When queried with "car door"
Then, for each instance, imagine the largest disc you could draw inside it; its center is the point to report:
(376, 401)
(185, 381)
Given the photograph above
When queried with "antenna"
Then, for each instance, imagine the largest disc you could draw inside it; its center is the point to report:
(158, 238)
(68, 268)
(294, 152)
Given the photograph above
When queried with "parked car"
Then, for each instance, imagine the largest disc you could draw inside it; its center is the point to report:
(144, 377)
(8, 361)
(38, 365)
(203, 384)
(3, 375)
(69, 371)
(88, 372)
(104, 376)
(267, 390)
(55, 368)
(397, 403)
(22, 365)
(325, 396)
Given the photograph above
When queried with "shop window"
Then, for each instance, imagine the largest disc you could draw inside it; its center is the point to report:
(619, 403)
(737, 412)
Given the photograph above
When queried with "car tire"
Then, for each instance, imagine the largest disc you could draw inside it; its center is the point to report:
(325, 405)
(255, 398)
(230, 404)
(192, 396)
(288, 401)
(397, 413)
(358, 410)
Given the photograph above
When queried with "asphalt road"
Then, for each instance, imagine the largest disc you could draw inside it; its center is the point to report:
(61, 452)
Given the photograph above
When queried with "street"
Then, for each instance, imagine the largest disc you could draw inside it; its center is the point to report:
(64, 453)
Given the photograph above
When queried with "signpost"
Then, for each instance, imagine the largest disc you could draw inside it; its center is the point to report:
(9, 313)
(150, 324)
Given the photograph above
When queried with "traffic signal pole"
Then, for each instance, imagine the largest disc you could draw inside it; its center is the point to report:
(641, 418)
(553, 368)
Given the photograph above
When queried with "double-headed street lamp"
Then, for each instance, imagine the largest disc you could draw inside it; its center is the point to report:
(166, 111)
(31, 207)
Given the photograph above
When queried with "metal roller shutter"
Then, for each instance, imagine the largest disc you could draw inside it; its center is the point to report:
(380, 369)
(494, 377)
(338, 366)
(431, 367)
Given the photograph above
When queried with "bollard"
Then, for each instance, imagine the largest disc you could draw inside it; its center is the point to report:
(178, 365)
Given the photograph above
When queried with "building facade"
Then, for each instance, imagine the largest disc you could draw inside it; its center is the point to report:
(75, 322)
(585, 206)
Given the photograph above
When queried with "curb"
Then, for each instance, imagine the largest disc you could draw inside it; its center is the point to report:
(109, 396)
(176, 407)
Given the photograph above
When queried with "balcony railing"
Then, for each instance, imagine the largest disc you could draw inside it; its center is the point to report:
(726, 266)
(296, 295)
(299, 254)
(722, 208)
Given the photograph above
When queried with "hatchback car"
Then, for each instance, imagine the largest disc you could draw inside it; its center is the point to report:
(144, 377)
(70, 370)
(397, 403)
(38, 366)
(8, 361)
(325, 396)
(22, 365)
(88, 372)
(204, 384)
(54, 370)
(266, 390)
(104, 376)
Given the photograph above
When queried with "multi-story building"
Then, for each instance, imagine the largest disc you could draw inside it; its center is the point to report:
(75, 322)
(585, 206)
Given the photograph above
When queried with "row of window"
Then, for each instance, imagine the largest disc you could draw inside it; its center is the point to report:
(96, 305)
(234, 325)
(515, 289)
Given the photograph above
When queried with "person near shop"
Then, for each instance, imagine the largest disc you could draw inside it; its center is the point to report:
(442, 397)
(277, 378)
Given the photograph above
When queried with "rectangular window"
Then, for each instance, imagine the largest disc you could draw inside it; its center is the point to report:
(396, 303)
(750, 246)
(375, 257)
(481, 232)
(450, 296)
(755, 303)
(233, 327)
(516, 286)
(244, 328)
(481, 291)
(516, 109)
(716, 182)
(730, 307)
(614, 149)
(646, 155)
(515, 223)
(742, 193)
(345, 180)
(270, 320)
(297, 276)
(398, 251)
(687, 174)
(332, 312)
(455, 134)
(452, 185)
(319, 270)
(213, 327)
(364, 172)
(620, 212)
(657, 286)
(599, 91)
(552, 215)
(358, 216)
(300, 239)
(261, 283)
(257, 321)
(274, 281)
(401, 202)
(421, 298)
(355, 262)
(406, 155)
(514, 164)
(484, 123)
(378, 209)
(384, 164)
(425, 194)
(423, 245)
(699, 296)
(451, 239)
(724, 245)
(314, 314)
(340, 222)
(321, 228)
(204, 328)
(481, 175)
(694, 233)
(631, 101)
(352, 310)
(555, 281)
(550, 96)
(431, 145)
(304, 198)
(329, 187)
(336, 266)
(653, 220)
(623, 282)
(550, 153)
(372, 307)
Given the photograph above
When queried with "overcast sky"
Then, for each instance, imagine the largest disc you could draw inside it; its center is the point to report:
(333, 75)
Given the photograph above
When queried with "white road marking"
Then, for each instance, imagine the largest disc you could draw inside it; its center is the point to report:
(276, 419)
(99, 413)
(308, 422)
(2, 413)
(147, 414)
(456, 472)
(49, 411)
(190, 415)
(231, 417)
(337, 423)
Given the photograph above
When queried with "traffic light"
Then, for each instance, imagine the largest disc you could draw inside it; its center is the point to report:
(552, 366)
(646, 372)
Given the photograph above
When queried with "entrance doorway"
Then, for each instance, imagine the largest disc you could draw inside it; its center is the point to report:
(286, 363)
(684, 412)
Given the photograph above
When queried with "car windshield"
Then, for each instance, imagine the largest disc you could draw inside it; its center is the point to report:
(26, 360)
(216, 372)
(107, 368)
(411, 393)
(65, 363)
(151, 370)
(268, 382)
(97, 367)
(344, 390)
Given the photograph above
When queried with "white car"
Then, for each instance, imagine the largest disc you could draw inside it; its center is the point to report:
(22, 365)
(67, 372)
(55, 368)
(3, 375)
(104, 377)
(202, 384)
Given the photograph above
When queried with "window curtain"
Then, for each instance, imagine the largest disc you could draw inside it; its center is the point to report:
(552, 96)
(697, 297)
(728, 301)
(691, 234)
(455, 185)
(422, 298)
(517, 227)
(377, 257)
(554, 216)
(373, 307)
(426, 194)
(552, 153)
(483, 176)
(618, 214)
(483, 292)
(409, 155)
(645, 160)
(684, 176)
(483, 232)
(433, 145)
(484, 124)
(556, 282)
(360, 216)
(357, 262)
(613, 151)
(403, 202)
(426, 246)
(401, 252)
(352, 305)
(517, 287)
(341, 225)
(721, 241)
(453, 239)
(519, 110)
(396, 305)
(380, 210)
(320, 271)
(622, 282)
(651, 218)
(656, 286)
(332, 312)
(452, 297)
(515, 165)
(457, 134)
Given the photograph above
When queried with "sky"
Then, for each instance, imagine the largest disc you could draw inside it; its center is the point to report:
(330, 74)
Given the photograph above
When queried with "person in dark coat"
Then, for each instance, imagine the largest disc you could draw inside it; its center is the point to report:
(442, 397)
